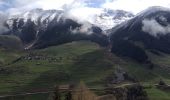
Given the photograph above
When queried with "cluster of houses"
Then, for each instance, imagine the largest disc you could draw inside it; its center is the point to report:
(34, 56)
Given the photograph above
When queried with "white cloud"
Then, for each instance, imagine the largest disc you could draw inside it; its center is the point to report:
(84, 13)
(77, 9)
(154, 28)
(135, 6)
(3, 17)
(80, 9)
(86, 28)
(44, 4)
(47, 4)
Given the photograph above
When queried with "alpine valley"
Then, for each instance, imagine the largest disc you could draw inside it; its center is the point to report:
(118, 51)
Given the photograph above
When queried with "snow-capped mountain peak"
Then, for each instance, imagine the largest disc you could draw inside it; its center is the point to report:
(38, 16)
(110, 18)
(106, 20)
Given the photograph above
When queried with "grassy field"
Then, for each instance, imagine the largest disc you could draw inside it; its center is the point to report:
(156, 94)
(28, 97)
(71, 63)
(84, 61)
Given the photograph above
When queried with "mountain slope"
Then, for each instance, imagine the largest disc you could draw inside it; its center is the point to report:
(37, 70)
(149, 31)
(41, 28)
(41, 70)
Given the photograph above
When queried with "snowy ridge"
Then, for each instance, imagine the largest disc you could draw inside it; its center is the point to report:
(110, 18)
(106, 20)
(40, 17)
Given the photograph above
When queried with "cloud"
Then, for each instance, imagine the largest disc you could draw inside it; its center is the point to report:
(24, 5)
(155, 29)
(3, 17)
(81, 9)
(54, 4)
(135, 6)
(86, 28)
(84, 14)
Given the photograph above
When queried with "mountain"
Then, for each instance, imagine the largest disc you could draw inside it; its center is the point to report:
(41, 28)
(110, 18)
(148, 31)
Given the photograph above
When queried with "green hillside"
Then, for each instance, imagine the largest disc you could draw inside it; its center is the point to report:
(38, 70)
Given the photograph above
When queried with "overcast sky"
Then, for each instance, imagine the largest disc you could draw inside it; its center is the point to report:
(134, 6)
